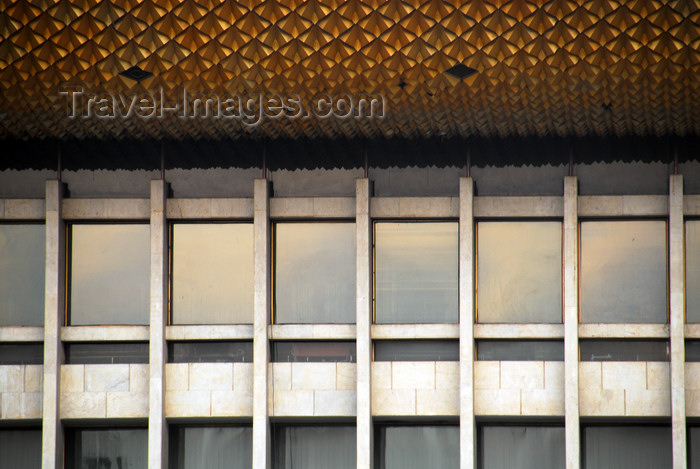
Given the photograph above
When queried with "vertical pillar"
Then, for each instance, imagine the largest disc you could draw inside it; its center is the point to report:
(677, 308)
(54, 307)
(157, 427)
(363, 192)
(570, 253)
(467, 425)
(261, 349)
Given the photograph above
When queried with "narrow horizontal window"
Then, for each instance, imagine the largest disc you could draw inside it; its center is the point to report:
(212, 273)
(416, 350)
(314, 273)
(20, 448)
(314, 446)
(210, 351)
(417, 446)
(208, 447)
(22, 267)
(692, 272)
(313, 351)
(22, 354)
(624, 350)
(109, 274)
(520, 350)
(692, 350)
(416, 272)
(522, 447)
(519, 272)
(626, 447)
(107, 448)
(84, 353)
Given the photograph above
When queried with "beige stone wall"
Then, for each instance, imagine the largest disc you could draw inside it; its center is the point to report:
(692, 389)
(635, 389)
(99, 391)
(415, 388)
(519, 388)
(21, 391)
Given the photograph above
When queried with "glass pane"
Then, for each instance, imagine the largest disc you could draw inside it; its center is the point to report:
(22, 267)
(315, 273)
(212, 273)
(418, 447)
(623, 272)
(314, 447)
(519, 272)
(21, 354)
(106, 353)
(110, 274)
(416, 277)
(694, 447)
(628, 447)
(522, 447)
(107, 448)
(315, 351)
(416, 350)
(692, 271)
(211, 447)
(520, 350)
(20, 449)
(210, 352)
(624, 350)
(692, 350)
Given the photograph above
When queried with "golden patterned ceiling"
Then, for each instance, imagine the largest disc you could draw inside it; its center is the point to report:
(542, 68)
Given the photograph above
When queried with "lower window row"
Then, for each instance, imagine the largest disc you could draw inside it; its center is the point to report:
(322, 446)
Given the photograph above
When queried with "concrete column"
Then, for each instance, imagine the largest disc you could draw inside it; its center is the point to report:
(261, 348)
(54, 313)
(157, 427)
(676, 235)
(570, 253)
(467, 425)
(365, 437)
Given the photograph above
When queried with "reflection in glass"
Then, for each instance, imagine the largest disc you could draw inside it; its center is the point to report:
(315, 273)
(626, 447)
(212, 273)
(20, 448)
(520, 350)
(519, 272)
(211, 447)
(313, 351)
(213, 351)
(692, 271)
(91, 353)
(416, 350)
(314, 447)
(416, 278)
(22, 354)
(110, 274)
(107, 448)
(623, 272)
(417, 447)
(22, 267)
(522, 447)
(606, 350)
(692, 351)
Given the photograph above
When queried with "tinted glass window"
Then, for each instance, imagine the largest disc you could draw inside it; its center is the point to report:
(626, 447)
(110, 274)
(692, 271)
(316, 351)
(22, 267)
(211, 447)
(522, 447)
(314, 273)
(624, 350)
(314, 447)
(107, 448)
(212, 273)
(692, 350)
(623, 272)
(519, 272)
(417, 447)
(210, 352)
(694, 447)
(106, 353)
(20, 448)
(520, 350)
(416, 272)
(21, 354)
(416, 350)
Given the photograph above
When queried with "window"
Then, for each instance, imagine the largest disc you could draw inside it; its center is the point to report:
(20, 448)
(417, 447)
(22, 250)
(693, 447)
(212, 273)
(626, 447)
(22, 354)
(109, 274)
(624, 350)
(416, 350)
(314, 446)
(692, 271)
(314, 273)
(520, 350)
(519, 268)
(90, 353)
(210, 352)
(107, 448)
(522, 447)
(316, 351)
(201, 447)
(416, 272)
(692, 350)
(623, 272)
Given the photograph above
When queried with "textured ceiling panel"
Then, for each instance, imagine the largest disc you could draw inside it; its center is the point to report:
(555, 68)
